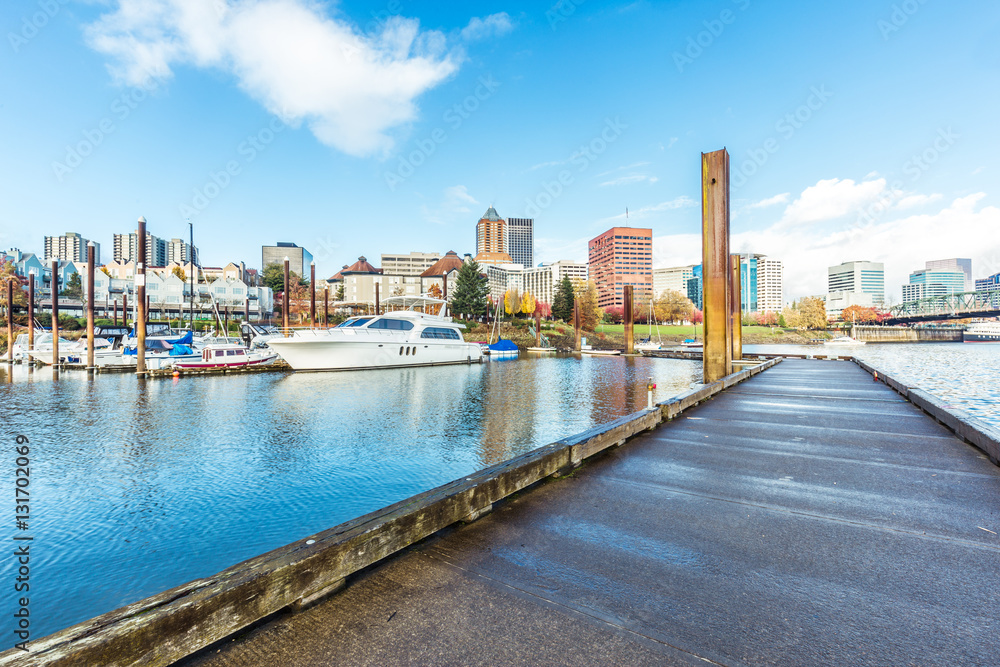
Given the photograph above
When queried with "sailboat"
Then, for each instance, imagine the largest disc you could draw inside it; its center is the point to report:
(647, 344)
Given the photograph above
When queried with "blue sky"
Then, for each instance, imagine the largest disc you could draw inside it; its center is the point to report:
(858, 129)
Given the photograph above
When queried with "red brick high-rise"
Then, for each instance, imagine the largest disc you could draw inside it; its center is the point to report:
(618, 257)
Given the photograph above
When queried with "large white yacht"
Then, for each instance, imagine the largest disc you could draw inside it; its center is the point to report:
(982, 332)
(394, 339)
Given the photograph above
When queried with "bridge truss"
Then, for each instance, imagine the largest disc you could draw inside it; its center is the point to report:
(957, 306)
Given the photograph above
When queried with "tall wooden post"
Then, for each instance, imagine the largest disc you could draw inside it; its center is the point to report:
(125, 309)
(377, 304)
(444, 288)
(312, 294)
(116, 312)
(717, 355)
(285, 302)
(736, 307)
(10, 320)
(54, 284)
(576, 323)
(246, 309)
(31, 311)
(629, 317)
(538, 327)
(326, 306)
(140, 314)
(90, 306)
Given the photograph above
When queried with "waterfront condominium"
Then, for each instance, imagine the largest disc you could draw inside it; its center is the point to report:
(180, 251)
(543, 281)
(299, 258)
(413, 264)
(770, 285)
(70, 247)
(126, 249)
(520, 240)
(621, 256)
(491, 239)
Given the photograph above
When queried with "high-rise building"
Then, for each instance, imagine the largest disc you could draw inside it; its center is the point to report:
(70, 247)
(770, 285)
(925, 283)
(126, 249)
(990, 285)
(299, 258)
(543, 281)
(694, 287)
(413, 264)
(181, 252)
(955, 264)
(674, 279)
(861, 277)
(521, 240)
(491, 239)
(618, 257)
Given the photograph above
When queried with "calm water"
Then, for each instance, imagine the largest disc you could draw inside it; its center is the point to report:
(139, 488)
(967, 374)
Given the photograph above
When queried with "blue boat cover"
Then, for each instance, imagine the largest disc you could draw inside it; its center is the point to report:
(504, 345)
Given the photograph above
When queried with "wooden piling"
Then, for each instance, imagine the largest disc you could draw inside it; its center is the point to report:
(538, 327)
(717, 355)
(31, 311)
(376, 298)
(629, 317)
(246, 309)
(285, 302)
(140, 313)
(312, 294)
(736, 307)
(326, 306)
(576, 323)
(10, 320)
(90, 306)
(116, 311)
(54, 285)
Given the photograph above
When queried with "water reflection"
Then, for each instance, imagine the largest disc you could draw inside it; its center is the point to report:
(142, 485)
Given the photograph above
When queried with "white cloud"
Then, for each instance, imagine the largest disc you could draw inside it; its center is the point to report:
(492, 25)
(350, 88)
(651, 211)
(903, 242)
(630, 178)
(771, 201)
(912, 201)
(831, 199)
(454, 204)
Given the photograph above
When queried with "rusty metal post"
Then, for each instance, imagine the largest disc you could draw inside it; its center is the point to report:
(444, 286)
(54, 285)
(326, 306)
(736, 307)
(31, 311)
(116, 311)
(629, 327)
(312, 294)
(246, 309)
(148, 308)
(538, 327)
(90, 306)
(226, 329)
(717, 354)
(140, 289)
(284, 302)
(377, 299)
(576, 323)
(125, 309)
(10, 320)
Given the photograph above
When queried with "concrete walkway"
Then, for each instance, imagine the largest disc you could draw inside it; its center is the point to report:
(807, 516)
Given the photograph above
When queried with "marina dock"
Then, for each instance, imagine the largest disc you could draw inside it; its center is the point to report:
(806, 516)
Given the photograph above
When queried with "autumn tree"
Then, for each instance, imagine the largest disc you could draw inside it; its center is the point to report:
(673, 306)
(512, 301)
(813, 313)
(590, 312)
(8, 273)
(179, 272)
(859, 315)
(434, 292)
(528, 304)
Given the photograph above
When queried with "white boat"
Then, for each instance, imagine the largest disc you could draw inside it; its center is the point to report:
(399, 338)
(227, 355)
(690, 342)
(603, 353)
(647, 344)
(982, 332)
(844, 340)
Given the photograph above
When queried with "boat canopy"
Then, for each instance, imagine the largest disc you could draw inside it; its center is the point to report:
(503, 345)
(411, 302)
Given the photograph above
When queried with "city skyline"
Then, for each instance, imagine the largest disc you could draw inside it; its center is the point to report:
(249, 155)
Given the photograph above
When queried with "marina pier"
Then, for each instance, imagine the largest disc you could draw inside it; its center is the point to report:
(794, 512)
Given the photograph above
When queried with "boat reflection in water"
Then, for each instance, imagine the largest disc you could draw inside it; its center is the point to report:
(400, 338)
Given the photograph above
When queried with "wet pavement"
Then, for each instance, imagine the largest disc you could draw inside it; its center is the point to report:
(807, 516)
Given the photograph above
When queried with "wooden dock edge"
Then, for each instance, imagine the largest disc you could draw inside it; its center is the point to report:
(971, 429)
(167, 627)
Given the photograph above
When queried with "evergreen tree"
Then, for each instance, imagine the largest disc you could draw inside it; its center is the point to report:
(471, 290)
(340, 292)
(562, 304)
(74, 287)
(274, 277)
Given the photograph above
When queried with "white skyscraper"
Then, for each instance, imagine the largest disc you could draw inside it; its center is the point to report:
(770, 285)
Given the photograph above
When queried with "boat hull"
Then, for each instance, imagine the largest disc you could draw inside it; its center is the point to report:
(319, 354)
(980, 338)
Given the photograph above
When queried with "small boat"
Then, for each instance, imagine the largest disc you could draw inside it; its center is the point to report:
(602, 353)
(227, 355)
(982, 332)
(844, 340)
(647, 344)
(502, 349)
(691, 342)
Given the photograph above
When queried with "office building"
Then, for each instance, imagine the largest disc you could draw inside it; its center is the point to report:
(491, 239)
(413, 264)
(126, 249)
(299, 258)
(520, 240)
(955, 264)
(672, 279)
(989, 286)
(926, 283)
(543, 281)
(181, 252)
(694, 287)
(770, 285)
(70, 247)
(860, 278)
(621, 256)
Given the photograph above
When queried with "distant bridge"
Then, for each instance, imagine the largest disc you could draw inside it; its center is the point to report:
(957, 306)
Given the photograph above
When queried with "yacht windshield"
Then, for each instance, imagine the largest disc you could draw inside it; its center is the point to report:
(358, 322)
